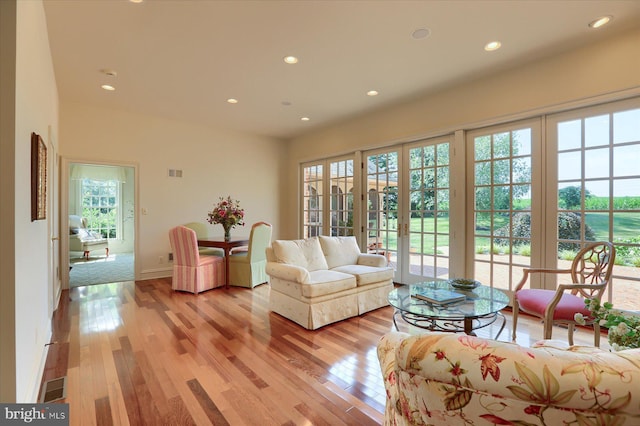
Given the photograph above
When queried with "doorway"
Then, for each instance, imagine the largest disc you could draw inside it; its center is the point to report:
(100, 203)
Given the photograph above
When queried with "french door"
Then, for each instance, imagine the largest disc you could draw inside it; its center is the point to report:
(408, 205)
(504, 216)
(383, 213)
(328, 200)
(594, 158)
(425, 245)
(524, 199)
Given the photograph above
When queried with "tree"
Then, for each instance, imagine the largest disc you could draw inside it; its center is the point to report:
(571, 197)
(495, 166)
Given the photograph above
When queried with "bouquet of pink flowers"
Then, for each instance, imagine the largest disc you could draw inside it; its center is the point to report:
(227, 213)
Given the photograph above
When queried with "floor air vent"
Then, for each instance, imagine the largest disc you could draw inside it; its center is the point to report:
(54, 389)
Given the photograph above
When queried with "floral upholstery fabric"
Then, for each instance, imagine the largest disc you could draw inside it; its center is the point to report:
(453, 379)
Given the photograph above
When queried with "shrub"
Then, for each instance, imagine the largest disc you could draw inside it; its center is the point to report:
(567, 255)
(524, 250)
(568, 229)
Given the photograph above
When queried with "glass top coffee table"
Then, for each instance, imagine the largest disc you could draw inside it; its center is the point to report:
(480, 308)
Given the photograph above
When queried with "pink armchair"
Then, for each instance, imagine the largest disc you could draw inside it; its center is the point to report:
(192, 272)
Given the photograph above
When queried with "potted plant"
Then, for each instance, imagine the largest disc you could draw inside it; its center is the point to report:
(228, 214)
(624, 330)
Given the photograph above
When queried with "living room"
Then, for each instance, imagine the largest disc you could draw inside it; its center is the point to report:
(261, 171)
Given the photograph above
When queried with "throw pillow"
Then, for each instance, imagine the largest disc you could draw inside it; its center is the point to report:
(304, 253)
(340, 251)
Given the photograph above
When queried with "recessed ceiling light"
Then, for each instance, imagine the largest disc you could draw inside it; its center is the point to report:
(232, 101)
(136, 1)
(286, 103)
(372, 93)
(110, 73)
(108, 87)
(604, 20)
(420, 33)
(305, 119)
(290, 60)
(492, 45)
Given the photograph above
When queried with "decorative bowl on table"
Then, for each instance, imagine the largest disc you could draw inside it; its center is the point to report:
(463, 283)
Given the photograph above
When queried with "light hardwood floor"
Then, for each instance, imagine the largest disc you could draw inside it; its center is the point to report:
(141, 354)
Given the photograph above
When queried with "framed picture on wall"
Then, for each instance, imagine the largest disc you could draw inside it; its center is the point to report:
(38, 178)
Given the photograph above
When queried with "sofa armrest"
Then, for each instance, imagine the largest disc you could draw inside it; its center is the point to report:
(371, 259)
(288, 272)
(544, 376)
(387, 347)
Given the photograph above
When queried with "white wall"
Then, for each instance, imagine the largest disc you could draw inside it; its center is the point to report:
(214, 162)
(36, 108)
(602, 69)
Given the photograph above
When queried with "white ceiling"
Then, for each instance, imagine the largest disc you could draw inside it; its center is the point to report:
(183, 59)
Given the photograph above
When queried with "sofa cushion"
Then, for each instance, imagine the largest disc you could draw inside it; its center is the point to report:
(340, 251)
(325, 282)
(366, 274)
(304, 253)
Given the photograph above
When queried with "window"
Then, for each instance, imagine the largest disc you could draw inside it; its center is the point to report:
(596, 195)
(341, 181)
(100, 205)
(331, 214)
(312, 200)
(503, 210)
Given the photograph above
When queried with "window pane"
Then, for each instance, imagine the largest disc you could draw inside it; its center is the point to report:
(626, 194)
(597, 195)
(522, 142)
(482, 148)
(626, 160)
(596, 163)
(569, 135)
(483, 173)
(626, 126)
(596, 131)
(501, 145)
(569, 166)
(522, 197)
(522, 170)
(483, 198)
(501, 171)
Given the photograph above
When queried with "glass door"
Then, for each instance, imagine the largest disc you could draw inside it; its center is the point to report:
(426, 200)
(595, 193)
(504, 202)
(383, 215)
(341, 183)
(312, 200)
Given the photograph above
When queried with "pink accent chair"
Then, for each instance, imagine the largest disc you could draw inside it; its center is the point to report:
(590, 273)
(191, 271)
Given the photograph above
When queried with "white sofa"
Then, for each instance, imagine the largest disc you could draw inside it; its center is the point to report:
(321, 280)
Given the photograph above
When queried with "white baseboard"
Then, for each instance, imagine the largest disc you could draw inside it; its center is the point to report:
(35, 387)
(149, 274)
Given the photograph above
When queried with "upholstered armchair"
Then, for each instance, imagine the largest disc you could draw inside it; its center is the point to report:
(192, 272)
(454, 379)
(83, 240)
(248, 268)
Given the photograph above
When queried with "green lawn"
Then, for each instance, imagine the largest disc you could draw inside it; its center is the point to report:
(627, 226)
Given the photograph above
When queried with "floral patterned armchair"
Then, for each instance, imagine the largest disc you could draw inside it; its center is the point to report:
(452, 379)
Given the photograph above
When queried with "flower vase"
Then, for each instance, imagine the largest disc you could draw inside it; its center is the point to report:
(227, 233)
